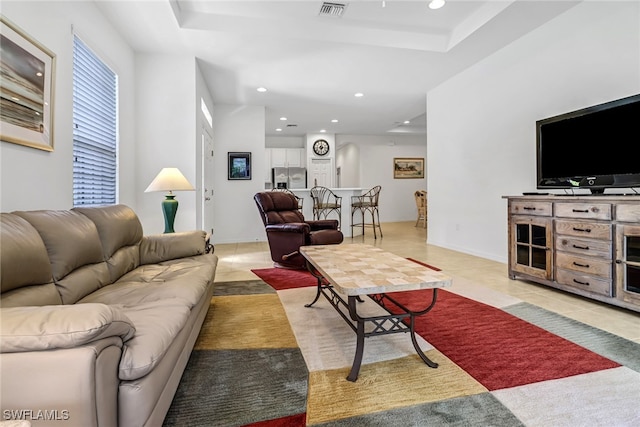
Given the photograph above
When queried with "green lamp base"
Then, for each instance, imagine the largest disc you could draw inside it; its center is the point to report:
(169, 208)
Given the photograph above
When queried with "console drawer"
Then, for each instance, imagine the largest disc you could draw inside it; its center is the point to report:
(628, 213)
(592, 230)
(596, 267)
(522, 207)
(584, 282)
(583, 210)
(589, 247)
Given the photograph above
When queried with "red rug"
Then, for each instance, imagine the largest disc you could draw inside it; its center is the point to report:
(497, 349)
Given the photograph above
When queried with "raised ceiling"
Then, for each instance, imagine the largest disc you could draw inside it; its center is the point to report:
(393, 52)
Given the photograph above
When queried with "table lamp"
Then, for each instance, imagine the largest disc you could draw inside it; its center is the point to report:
(169, 179)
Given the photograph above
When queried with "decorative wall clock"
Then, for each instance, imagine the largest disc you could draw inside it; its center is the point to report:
(321, 147)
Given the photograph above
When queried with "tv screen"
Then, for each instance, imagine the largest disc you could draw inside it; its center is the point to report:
(591, 148)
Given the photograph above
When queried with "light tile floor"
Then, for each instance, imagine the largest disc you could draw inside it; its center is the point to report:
(236, 260)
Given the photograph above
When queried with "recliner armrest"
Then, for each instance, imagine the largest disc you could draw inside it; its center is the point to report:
(323, 224)
(289, 227)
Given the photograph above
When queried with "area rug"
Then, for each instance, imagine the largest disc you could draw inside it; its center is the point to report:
(264, 359)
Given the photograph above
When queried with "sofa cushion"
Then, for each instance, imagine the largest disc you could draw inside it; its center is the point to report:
(71, 239)
(72, 242)
(157, 324)
(23, 256)
(186, 279)
(120, 234)
(67, 326)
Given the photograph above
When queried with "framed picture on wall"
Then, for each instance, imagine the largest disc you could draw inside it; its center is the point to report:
(239, 165)
(26, 89)
(408, 167)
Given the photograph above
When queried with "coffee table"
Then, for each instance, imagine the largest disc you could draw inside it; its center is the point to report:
(356, 270)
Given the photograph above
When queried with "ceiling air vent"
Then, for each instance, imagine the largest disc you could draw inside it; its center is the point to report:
(292, 126)
(332, 9)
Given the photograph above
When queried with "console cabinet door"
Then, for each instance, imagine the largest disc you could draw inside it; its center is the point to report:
(628, 263)
(530, 246)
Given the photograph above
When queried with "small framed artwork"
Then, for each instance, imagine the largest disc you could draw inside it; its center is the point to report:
(26, 89)
(408, 167)
(239, 166)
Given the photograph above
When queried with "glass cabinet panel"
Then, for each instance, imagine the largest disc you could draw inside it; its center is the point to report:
(632, 273)
(531, 245)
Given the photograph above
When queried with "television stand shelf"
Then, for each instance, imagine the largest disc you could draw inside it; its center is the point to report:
(584, 244)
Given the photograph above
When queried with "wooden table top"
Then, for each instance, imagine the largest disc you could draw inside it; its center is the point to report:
(360, 269)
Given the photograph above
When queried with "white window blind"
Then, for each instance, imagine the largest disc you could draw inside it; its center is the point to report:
(94, 129)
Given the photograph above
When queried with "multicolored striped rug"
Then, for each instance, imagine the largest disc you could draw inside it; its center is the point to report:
(264, 359)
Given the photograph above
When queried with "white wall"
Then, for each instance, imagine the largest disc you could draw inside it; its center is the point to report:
(238, 128)
(481, 123)
(166, 134)
(348, 160)
(36, 179)
(376, 168)
(284, 142)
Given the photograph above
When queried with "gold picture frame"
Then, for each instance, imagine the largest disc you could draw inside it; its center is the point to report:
(26, 89)
(408, 167)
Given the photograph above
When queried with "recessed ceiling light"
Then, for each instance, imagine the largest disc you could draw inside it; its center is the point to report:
(359, 95)
(278, 130)
(334, 121)
(262, 89)
(283, 118)
(323, 130)
(436, 4)
(406, 122)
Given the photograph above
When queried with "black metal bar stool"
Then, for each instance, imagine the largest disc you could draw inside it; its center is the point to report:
(325, 202)
(367, 202)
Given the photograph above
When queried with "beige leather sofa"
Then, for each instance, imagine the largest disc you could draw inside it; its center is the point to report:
(97, 321)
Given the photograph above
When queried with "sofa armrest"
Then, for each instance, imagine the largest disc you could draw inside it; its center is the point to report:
(78, 387)
(164, 247)
(24, 329)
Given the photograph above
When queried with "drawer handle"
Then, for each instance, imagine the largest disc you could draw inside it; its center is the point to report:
(577, 264)
(581, 210)
(586, 230)
(586, 248)
(581, 283)
(527, 208)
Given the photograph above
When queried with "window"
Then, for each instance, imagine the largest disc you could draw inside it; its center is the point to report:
(94, 129)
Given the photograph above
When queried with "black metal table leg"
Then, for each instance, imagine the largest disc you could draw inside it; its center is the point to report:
(318, 277)
(357, 359)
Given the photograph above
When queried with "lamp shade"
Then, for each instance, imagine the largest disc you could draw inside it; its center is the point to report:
(169, 179)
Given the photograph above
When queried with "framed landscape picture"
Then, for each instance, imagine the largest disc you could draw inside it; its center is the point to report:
(408, 167)
(239, 166)
(26, 89)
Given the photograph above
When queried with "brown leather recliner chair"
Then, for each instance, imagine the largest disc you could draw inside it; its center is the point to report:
(287, 229)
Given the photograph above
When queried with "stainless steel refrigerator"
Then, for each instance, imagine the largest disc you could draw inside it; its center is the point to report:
(289, 177)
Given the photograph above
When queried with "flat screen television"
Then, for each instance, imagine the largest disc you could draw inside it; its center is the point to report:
(595, 147)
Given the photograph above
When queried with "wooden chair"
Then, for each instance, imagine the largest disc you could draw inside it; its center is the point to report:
(325, 202)
(421, 204)
(367, 202)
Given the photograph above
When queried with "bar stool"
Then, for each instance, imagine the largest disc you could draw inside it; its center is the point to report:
(325, 202)
(367, 202)
(421, 204)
